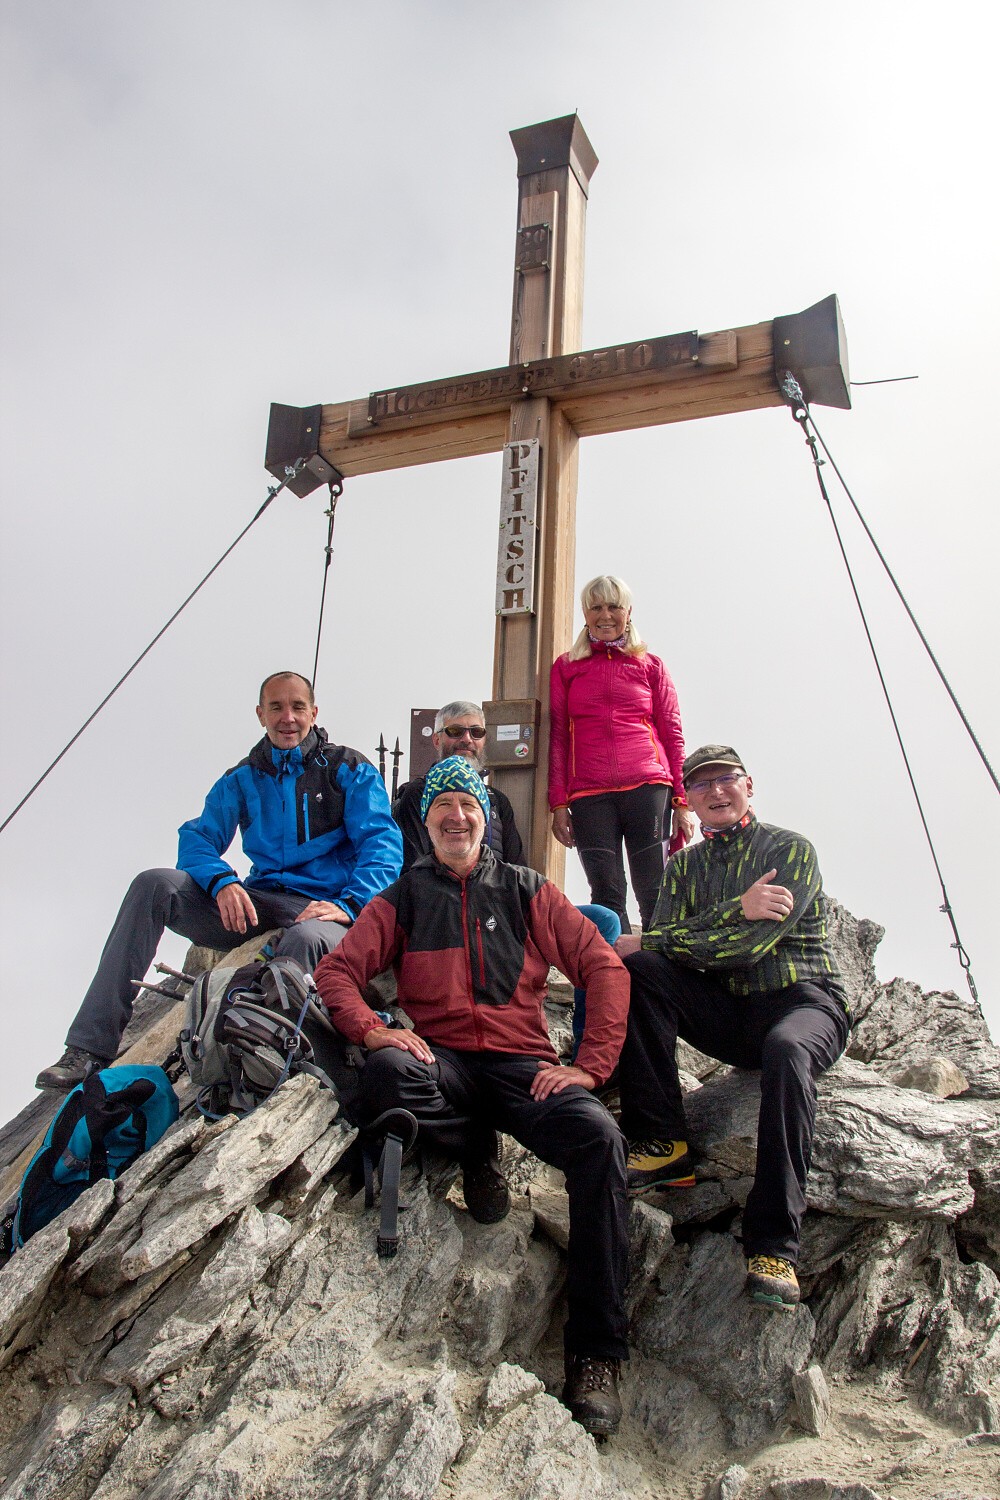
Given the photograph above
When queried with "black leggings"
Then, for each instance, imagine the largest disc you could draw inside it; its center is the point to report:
(600, 823)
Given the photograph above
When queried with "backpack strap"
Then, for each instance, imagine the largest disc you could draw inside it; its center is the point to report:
(294, 1038)
(399, 1129)
(387, 1239)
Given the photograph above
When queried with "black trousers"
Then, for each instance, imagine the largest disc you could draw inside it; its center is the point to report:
(601, 823)
(462, 1095)
(791, 1035)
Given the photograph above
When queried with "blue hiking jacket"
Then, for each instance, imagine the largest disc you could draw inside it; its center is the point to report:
(314, 820)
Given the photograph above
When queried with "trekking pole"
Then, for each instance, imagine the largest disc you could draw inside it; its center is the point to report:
(397, 755)
(175, 973)
(159, 989)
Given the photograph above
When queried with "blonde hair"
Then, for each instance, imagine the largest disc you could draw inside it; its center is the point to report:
(607, 589)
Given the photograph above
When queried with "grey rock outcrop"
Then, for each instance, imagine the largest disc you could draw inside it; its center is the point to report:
(710, 1341)
(217, 1325)
(933, 1075)
(729, 1485)
(812, 1399)
(902, 1025)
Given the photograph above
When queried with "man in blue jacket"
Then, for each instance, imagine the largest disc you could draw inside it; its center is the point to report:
(315, 821)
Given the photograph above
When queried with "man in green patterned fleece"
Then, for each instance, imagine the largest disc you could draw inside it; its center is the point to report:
(736, 962)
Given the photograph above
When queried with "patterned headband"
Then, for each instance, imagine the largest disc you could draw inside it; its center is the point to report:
(454, 775)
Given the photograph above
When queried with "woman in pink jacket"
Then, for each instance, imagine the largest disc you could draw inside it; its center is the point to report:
(615, 753)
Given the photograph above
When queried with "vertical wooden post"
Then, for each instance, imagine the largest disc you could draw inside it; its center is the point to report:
(555, 162)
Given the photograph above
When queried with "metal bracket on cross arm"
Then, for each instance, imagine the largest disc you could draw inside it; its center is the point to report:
(812, 345)
(293, 437)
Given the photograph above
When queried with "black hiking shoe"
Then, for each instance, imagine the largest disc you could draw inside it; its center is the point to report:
(72, 1068)
(484, 1187)
(591, 1393)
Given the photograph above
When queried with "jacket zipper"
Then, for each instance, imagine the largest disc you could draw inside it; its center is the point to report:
(609, 682)
(652, 740)
(477, 1024)
(305, 816)
(482, 963)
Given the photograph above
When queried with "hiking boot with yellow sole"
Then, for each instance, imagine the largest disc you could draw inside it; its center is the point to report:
(659, 1164)
(772, 1282)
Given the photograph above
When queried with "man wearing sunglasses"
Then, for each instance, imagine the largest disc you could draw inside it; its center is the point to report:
(737, 962)
(459, 729)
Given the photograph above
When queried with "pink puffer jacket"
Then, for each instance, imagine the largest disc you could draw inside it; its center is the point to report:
(616, 724)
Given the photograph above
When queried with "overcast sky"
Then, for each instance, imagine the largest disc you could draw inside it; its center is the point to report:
(207, 207)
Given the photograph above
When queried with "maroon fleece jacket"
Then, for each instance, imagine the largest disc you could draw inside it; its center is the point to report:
(471, 959)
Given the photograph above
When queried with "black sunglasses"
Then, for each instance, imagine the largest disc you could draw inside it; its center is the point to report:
(456, 731)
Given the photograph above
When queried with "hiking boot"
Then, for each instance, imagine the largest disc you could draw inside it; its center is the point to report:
(772, 1282)
(484, 1187)
(591, 1393)
(657, 1163)
(72, 1068)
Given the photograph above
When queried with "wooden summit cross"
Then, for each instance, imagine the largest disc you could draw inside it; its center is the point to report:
(535, 409)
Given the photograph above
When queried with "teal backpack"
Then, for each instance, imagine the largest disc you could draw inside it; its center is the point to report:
(105, 1123)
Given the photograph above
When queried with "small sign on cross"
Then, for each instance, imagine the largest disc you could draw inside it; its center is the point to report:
(518, 511)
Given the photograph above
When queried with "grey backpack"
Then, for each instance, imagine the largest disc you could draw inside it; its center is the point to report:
(243, 1033)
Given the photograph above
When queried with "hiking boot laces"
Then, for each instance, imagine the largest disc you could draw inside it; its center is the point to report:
(661, 1150)
(591, 1374)
(774, 1266)
(75, 1065)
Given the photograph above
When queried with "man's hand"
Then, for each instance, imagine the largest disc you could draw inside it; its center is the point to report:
(766, 902)
(552, 1080)
(236, 909)
(324, 911)
(562, 827)
(406, 1041)
(629, 942)
(683, 823)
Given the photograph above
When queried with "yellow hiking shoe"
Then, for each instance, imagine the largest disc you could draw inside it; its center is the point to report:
(659, 1164)
(772, 1282)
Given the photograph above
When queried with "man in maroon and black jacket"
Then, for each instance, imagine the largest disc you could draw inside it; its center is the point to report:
(471, 940)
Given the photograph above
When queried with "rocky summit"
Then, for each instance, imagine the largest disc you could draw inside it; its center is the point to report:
(216, 1324)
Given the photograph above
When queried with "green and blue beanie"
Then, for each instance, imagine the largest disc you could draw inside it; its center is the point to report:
(454, 775)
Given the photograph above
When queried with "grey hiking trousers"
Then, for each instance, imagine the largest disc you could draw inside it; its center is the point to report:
(169, 898)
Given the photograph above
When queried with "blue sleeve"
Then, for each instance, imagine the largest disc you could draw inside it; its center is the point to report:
(203, 841)
(377, 841)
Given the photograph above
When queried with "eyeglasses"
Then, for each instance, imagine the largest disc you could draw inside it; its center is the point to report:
(457, 731)
(724, 781)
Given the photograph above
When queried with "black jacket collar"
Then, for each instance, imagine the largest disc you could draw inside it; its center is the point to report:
(261, 759)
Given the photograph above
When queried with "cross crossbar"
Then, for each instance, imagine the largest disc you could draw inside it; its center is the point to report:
(536, 407)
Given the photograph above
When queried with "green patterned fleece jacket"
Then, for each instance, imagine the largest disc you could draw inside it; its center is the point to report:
(699, 920)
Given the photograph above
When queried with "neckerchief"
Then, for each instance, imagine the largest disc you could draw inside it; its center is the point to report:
(714, 833)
